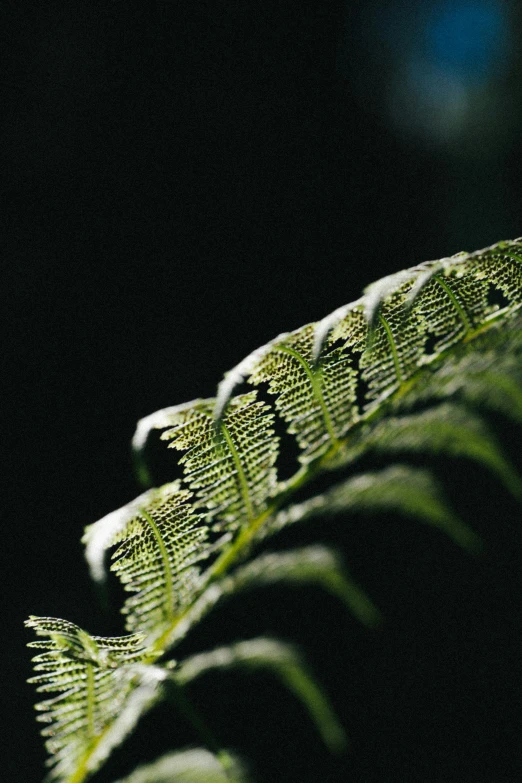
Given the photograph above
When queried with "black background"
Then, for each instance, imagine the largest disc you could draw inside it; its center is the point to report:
(181, 182)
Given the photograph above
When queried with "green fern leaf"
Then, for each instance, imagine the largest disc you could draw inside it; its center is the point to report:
(377, 376)
(196, 765)
(412, 492)
(447, 429)
(308, 565)
(229, 461)
(93, 677)
(161, 545)
(489, 376)
(501, 265)
(286, 663)
(452, 303)
(395, 343)
(316, 398)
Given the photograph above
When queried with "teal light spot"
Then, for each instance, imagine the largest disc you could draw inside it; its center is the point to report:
(470, 39)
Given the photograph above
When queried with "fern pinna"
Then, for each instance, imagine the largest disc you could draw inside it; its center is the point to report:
(403, 369)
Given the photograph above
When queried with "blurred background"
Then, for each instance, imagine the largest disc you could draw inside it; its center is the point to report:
(181, 182)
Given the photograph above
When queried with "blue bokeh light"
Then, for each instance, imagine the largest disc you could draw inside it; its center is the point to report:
(442, 65)
(468, 38)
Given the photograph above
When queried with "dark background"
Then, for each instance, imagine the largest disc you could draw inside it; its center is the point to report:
(181, 182)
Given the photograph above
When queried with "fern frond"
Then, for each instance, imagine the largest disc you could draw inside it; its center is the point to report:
(146, 692)
(316, 398)
(502, 265)
(286, 663)
(395, 342)
(229, 461)
(441, 302)
(195, 765)
(447, 429)
(497, 389)
(93, 677)
(162, 542)
(401, 489)
(99, 536)
(489, 376)
(453, 302)
(395, 371)
(316, 564)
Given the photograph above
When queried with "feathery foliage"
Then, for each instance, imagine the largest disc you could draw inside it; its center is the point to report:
(401, 370)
